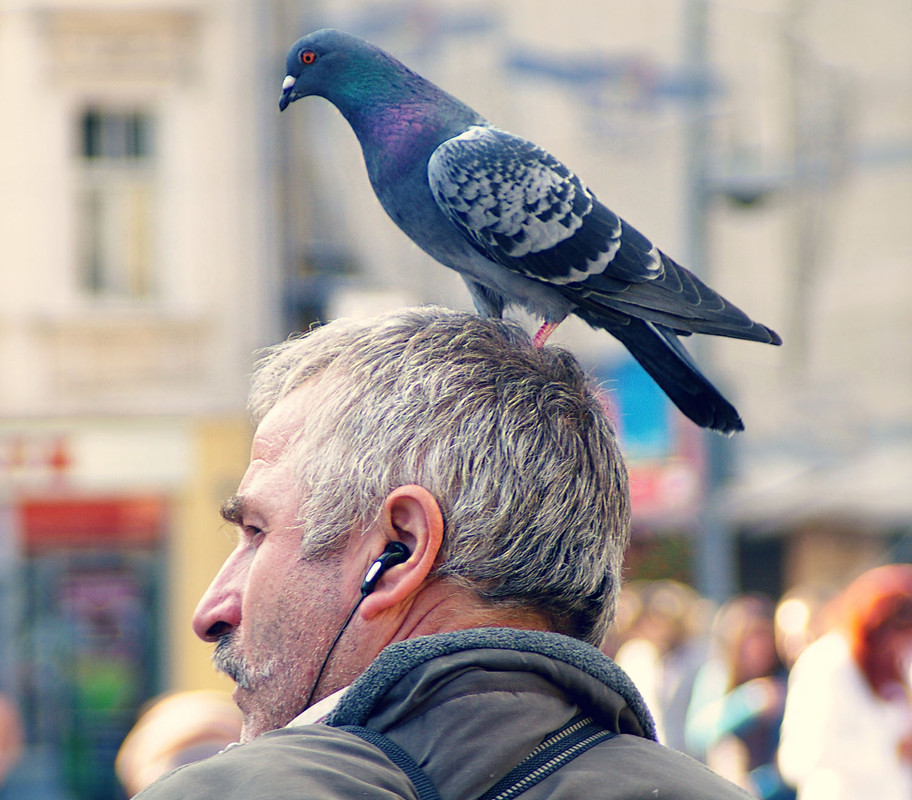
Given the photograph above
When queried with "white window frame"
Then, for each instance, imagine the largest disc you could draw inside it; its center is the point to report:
(118, 257)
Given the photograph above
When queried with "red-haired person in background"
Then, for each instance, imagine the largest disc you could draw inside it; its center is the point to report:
(847, 731)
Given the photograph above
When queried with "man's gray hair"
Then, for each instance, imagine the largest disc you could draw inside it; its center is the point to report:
(512, 441)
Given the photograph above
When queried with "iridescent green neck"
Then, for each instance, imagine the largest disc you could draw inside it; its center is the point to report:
(398, 116)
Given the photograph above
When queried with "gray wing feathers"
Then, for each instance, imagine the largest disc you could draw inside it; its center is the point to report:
(523, 209)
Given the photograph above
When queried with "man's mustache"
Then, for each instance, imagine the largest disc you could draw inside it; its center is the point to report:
(235, 665)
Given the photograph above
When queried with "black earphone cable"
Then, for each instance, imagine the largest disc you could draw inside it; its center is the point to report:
(332, 647)
(394, 553)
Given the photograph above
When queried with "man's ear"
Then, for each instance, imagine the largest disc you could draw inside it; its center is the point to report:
(410, 515)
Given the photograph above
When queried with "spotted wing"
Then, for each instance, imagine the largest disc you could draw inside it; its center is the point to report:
(525, 210)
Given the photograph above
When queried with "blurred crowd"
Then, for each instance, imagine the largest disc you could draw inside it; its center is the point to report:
(806, 696)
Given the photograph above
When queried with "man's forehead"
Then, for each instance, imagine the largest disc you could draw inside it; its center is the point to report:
(281, 426)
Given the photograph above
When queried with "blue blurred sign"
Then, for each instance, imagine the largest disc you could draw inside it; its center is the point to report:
(661, 447)
(640, 410)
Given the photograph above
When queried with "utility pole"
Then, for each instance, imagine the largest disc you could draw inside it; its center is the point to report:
(714, 546)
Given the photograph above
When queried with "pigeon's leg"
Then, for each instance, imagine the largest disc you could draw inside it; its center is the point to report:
(488, 303)
(544, 332)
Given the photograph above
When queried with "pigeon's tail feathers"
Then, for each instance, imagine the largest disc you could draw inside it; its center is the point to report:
(659, 352)
(681, 301)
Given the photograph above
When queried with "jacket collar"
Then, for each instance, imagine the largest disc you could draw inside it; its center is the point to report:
(589, 677)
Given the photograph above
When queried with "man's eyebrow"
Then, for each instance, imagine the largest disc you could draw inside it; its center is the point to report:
(232, 510)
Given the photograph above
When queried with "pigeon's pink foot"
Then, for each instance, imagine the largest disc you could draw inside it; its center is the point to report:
(543, 333)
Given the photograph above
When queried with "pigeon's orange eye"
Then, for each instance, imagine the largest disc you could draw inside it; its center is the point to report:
(308, 57)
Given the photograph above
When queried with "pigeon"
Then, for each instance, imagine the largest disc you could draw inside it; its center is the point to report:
(519, 227)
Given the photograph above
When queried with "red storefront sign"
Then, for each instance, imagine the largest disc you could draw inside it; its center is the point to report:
(120, 520)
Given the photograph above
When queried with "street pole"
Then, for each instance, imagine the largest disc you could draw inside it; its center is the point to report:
(714, 556)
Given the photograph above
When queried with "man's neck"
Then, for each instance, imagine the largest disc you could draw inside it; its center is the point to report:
(442, 607)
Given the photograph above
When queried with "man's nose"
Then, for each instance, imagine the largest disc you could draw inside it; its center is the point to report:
(219, 609)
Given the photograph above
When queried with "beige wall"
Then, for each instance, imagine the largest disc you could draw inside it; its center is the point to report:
(200, 541)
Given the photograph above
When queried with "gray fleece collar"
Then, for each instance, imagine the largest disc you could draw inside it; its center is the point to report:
(396, 660)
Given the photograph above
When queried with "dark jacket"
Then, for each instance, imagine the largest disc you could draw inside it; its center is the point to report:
(467, 706)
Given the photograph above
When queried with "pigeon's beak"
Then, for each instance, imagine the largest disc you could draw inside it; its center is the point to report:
(288, 93)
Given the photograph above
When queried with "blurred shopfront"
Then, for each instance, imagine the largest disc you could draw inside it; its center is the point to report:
(98, 574)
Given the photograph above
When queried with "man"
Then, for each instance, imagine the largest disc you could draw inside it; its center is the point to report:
(434, 517)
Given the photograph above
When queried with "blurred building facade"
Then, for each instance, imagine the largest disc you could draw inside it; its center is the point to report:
(159, 221)
(138, 263)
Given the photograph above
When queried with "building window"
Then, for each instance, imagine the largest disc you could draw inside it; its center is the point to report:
(117, 204)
